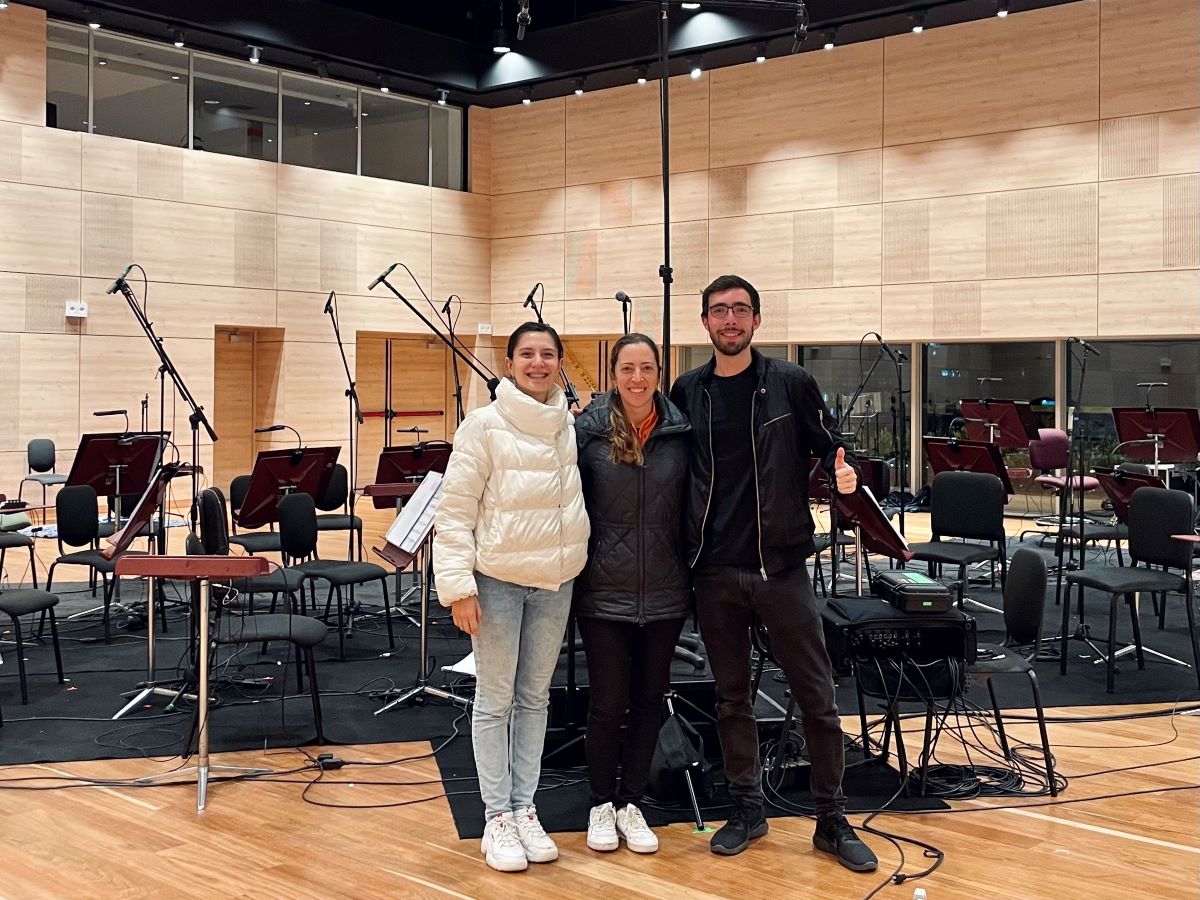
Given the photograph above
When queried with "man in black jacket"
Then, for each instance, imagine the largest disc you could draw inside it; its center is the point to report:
(756, 422)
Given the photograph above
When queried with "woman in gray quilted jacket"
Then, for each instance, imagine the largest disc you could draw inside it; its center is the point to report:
(633, 597)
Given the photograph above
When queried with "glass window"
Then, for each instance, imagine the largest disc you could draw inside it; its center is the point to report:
(395, 138)
(320, 124)
(877, 418)
(1017, 371)
(446, 137)
(140, 90)
(1112, 380)
(66, 77)
(235, 108)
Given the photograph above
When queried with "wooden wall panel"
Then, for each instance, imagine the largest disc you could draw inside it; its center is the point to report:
(23, 65)
(378, 248)
(628, 259)
(938, 311)
(313, 389)
(12, 306)
(949, 82)
(340, 197)
(528, 212)
(958, 238)
(608, 204)
(1037, 307)
(832, 313)
(1150, 304)
(1036, 157)
(1154, 144)
(506, 316)
(41, 229)
(757, 247)
(592, 317)
(1050, 231)
(519, 263)
(30, 154)
(1131, 225)
(176, 310)
(795, 184)
(456, 212)
(479, 150)
(214, 179)
(1144, 43)
(51, 360)
(183, 242)
(233, 412)
(686, 327)
(689, 198)
(810, 104)
(461, 265)
(528, 147)
(109, 165)
(46, 297)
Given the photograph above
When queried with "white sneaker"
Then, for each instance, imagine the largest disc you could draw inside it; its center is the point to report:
(501, 845)
(539, 848)
(602, 828)
(631, 825)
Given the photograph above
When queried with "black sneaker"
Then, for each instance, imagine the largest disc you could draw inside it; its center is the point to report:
(746, 824)
(834, 835)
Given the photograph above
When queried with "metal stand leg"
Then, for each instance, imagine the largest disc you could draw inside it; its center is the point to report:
(150, 686)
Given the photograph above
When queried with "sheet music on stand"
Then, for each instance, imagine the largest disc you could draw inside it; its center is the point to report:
(414, 522)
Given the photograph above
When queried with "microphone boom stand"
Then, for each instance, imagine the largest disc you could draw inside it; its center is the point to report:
(355, 419)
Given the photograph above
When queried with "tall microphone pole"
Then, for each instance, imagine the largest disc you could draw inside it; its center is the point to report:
(568, 388)
(664, 271)
(473, 362)
(197, 417)
(356, 416)
(449, 320)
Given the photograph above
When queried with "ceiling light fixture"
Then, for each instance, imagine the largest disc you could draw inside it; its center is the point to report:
(93, 19)
(523, 19)
(760, 53)
(1002, 9)
(177, 38)
(322, 69)
(694, 68)
(831, 40)
(642, 72)
(175, 77)
(527, 97)
(500, 42)
(383, 85)
(578, 87)
(800, 33)
(255, 54)
(918, 23)
(3, 4)
(690, 6)
(442, 97)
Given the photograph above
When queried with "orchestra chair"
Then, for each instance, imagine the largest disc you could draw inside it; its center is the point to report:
(16, 604)
(14, 540)
(336, 497)
(250, 541)
(39, 456)
(298, 534)
(1155, 514)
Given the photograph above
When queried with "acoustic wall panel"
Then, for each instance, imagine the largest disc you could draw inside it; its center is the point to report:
(906, 241)
(41, 229)
(605, 205)
(1149, 56)
(1181, 222)
(830, 314)
(528, 212)
(689, 198)
(1051, 231)
(53, 359)
(46, 297)
(759, 248)
(1150, 304)
(457, 212)
(528, 146)
(253, 249)
(1129, 147)
(159, 172)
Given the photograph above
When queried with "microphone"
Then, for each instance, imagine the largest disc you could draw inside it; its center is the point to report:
(523, 19)
(329, 303)
(492, 384)
(267, 428)
(386, 272)
(529, 300)
(110, 412)
(116, 285)
(895, 353)
(446, 306)
(623, 297)
(1088, 348)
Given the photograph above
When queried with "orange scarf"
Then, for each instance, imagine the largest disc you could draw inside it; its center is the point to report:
(647, 426)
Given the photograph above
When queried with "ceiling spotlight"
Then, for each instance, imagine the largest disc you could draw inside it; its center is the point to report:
(93, 20)
(578, 87)
(527, 97)
(102, 61)
(3, 4)
(831, 40)
(442, 97)
(760, 53)
(918, 23)
(175, 77)
(694, 68)
(690, 6)
(255, 54)
(383, 85)
(1002, 9)
(642, 73)
(322, 69)
(177, 38)
(500, 41)
(523, 19)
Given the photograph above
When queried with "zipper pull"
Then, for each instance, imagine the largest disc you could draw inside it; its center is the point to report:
(763, 572)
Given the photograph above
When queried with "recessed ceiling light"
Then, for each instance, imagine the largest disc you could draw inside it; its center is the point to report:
(177, 37)
(102, 62)
(255, 54)
(212, 102)
(500, 43)
(315, 132)
(918, 23)
(642, 72)
(442, 97)
(694, 68)
(174, 77)
(308, 103)
(690, 6)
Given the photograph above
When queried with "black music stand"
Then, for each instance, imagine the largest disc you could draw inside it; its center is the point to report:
(873, 531)
(1160, 437)
(1007, 423)
(1119, 485)
(116, 465)
(305, 470)
(405, 464)
(953, 455)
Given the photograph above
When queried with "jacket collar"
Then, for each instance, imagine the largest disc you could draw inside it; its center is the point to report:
(594, 420)
(758, 362)
(528, 415)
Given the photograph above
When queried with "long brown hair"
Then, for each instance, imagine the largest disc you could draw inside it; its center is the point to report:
(625, 448)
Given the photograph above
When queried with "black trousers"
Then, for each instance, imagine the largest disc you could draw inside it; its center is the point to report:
(727, 599)
(629, 668)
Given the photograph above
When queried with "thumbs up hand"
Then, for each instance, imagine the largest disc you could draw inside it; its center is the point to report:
(847, 478)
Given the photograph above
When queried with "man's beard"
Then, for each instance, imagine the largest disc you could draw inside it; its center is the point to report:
(731, 346)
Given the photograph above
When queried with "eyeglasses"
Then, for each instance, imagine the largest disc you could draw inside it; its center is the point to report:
(740, 310)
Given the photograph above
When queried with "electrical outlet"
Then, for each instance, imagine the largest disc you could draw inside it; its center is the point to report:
(77, 309)
(485, 328)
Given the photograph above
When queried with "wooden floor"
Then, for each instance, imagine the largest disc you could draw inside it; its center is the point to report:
(260, 839)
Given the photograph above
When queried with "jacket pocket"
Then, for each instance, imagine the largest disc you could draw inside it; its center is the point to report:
(786, 415)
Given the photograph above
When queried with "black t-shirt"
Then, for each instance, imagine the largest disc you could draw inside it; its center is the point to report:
(731, 532)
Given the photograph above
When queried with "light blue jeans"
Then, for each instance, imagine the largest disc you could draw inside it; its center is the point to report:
(520, 635)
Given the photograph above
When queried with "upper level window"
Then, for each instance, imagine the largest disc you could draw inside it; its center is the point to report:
(235, 108)
(395, 138)
(66, 77)
(320, 124)
(139, 90)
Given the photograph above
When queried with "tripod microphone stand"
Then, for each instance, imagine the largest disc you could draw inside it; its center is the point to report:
(355, 419)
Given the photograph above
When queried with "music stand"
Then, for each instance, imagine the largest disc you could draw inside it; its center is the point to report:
(1119, 485)
(411, 537)
(1158, 436)
(1007, 423)
(953, 455)
(873, 531)
(305, 470)
(398, 465)
(116, 465)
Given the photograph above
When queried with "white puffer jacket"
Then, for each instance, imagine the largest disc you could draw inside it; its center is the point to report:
(512, 503)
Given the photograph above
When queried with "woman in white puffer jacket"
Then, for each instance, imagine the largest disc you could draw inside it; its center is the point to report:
(511, 536)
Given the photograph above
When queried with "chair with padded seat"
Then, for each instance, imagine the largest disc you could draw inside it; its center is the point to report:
(302, 632)
(335, 498)
(250, 541)
(40, 459)
(1154, 515)
(78, 521)
(14, 540)
(298, 533)
(18, 603)
(970, 506)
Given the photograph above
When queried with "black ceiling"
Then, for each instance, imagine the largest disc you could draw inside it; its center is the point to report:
(423, 46)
